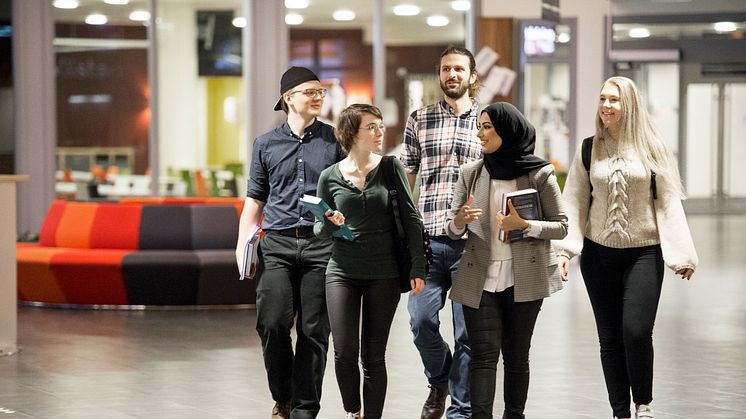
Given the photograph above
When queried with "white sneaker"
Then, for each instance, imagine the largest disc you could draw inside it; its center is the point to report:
(351, 415)
(644, 412)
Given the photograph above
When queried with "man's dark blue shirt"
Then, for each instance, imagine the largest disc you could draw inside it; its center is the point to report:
(285, 166)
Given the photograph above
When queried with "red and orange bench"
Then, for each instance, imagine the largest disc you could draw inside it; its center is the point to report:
(135, 252)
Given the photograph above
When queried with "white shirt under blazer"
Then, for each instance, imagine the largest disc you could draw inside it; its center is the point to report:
(535, 271)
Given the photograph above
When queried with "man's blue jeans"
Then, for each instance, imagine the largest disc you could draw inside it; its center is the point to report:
(442, 368)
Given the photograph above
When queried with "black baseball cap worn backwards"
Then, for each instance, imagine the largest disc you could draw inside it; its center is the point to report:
(291, 78)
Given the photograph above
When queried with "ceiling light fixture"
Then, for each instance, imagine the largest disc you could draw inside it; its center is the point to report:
(96, 19)
(296, 4)
(65, 4)
(239, 22)
(461, 5)
(293, 19)
(117, 2)
(437, 20)
(343, 15)
(725, 26)
(639, 33)
(406, 10)
(140, 15)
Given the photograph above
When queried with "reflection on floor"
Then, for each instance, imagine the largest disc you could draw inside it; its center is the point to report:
(207, 364)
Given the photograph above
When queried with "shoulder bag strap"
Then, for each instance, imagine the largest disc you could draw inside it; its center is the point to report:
(387, 167)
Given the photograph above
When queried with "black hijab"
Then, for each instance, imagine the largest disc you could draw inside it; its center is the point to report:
(515, 156)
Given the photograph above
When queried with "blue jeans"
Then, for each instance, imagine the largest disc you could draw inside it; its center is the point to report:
(442, 368)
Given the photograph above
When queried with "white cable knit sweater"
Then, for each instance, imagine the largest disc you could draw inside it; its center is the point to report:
(623, 213)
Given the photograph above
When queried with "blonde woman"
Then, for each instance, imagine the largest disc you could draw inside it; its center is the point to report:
(627, 220)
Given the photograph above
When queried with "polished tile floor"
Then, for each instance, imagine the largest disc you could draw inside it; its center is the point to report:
(207, 364)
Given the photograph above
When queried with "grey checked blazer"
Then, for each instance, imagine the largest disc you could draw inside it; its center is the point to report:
(535, 270)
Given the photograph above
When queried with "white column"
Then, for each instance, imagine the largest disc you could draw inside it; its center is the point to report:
(265, 51)
(8, 287)
(35, 111)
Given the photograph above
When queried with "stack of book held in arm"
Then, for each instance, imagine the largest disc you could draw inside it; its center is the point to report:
(526, 203)
(319, 208)
(248, 261)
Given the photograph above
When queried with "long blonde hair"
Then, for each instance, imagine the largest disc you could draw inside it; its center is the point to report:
(637, 129)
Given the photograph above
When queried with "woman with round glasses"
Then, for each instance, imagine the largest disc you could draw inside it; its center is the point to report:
(362, 275)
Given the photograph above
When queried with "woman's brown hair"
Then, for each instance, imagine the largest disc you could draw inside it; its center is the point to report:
(348, 123)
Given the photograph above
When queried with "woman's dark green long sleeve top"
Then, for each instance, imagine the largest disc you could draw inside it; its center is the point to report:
(369, 215)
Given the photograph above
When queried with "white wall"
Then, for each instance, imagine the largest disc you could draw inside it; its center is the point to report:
(181, 130)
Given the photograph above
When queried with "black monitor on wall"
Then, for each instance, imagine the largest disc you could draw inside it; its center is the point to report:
(218, 44)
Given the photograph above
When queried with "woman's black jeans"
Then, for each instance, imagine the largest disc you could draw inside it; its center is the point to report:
(624, 286)
(500, 324)
(378, 299)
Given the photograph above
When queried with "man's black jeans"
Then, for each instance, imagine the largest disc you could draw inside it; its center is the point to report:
(291, 283)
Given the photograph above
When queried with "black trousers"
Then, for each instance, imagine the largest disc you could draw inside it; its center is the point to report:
(500, 325)
(376, 301)
(624, 286)
(291, 285)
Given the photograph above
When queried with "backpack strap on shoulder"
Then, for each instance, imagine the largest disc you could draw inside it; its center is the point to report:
(585, 154)
(387, 167)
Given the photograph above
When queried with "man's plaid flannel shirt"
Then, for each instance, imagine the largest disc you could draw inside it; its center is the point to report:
(436, 143)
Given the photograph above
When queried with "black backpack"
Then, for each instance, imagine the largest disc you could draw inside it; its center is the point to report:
(585, 153)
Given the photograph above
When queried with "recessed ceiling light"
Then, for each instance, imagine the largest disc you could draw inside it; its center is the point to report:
(639, 33)
(461, 5)
(437, 20)
(239, 22)
(140, 15)
(406, 10)
(65, 4)
(96, 19)
(725, 26)
(117, 2)
(343, 15)
(296, 4)
(293, 19)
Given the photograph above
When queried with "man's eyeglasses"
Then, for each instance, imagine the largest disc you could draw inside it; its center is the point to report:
(371, 128)
(312, 93)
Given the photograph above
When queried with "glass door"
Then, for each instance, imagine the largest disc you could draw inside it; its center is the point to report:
(715, 145)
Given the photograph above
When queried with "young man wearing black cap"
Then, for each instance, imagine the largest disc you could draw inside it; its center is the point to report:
(285, 164)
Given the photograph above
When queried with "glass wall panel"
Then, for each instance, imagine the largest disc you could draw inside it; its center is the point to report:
(341, 53)
(414, 42)
(102, 87)
(200, 85)
(547, 96)
(700, 175)
(547, 60)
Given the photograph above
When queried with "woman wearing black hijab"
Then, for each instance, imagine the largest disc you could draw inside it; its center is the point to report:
(502, 284)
